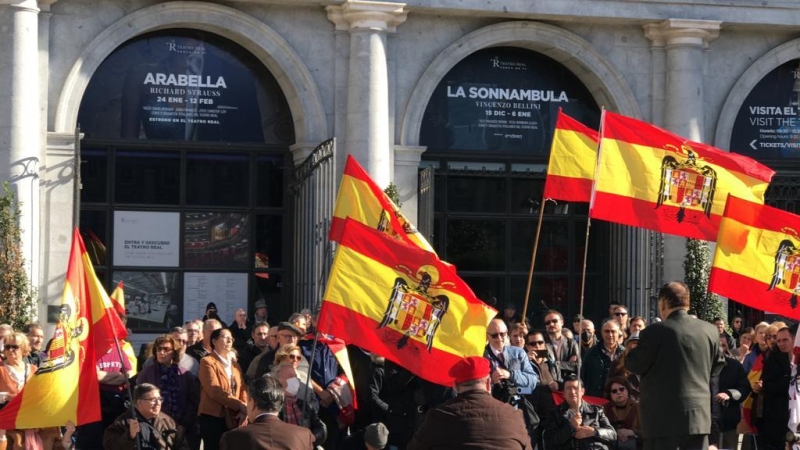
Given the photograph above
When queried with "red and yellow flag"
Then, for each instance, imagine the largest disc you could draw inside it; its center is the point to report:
(362, 200)
(747, 405)
(118, 298)
(65, 386)
(757, 260)
(402, 303)
(650, 178)
(573, 160)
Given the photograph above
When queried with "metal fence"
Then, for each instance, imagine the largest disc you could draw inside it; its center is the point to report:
(313, 194)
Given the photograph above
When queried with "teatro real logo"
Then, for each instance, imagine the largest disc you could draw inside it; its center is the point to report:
(497, 63)
(184, 49)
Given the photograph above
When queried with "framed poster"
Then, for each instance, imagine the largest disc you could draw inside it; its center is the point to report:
(146, 239)
(227, 290)
(152, 300)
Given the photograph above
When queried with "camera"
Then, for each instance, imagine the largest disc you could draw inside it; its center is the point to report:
(792, 437)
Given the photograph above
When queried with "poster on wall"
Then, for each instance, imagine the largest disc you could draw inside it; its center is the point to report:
(185, 85)
(504, 100)
(768, 123)
(228, 291)
(146, 239)
(152, 300)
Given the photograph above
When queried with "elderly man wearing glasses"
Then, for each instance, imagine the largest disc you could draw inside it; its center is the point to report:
(510, 365)
(151, 428)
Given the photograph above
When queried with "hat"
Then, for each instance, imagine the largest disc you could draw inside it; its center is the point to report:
(469, 368)
(211, 305)
(577, 318)
(510, 305)
(632, 337)
(376, 435)
(261, 304)
(289, 326)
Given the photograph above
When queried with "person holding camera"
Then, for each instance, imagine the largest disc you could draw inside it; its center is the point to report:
(549, 379)
(509, 365)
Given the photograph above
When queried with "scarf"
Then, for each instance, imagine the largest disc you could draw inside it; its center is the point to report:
(170, 390)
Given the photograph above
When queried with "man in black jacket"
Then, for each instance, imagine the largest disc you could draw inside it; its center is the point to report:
(676, 359)
(599, 360)
(775, 380)
(576, 424)
(728, 391)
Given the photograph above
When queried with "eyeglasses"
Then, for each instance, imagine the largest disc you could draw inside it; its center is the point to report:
(190, 331)
(618, 390)
(11, 347)
(536, 343)
(548, 322)
(619, 314)
(294, 357)
(153, 400)
(497, 335)
(165, 349)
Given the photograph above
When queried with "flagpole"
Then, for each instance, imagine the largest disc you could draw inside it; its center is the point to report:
(131, 408)
(585, 257)
(533, 257)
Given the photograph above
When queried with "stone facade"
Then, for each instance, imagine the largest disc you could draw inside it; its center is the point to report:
(363, 71)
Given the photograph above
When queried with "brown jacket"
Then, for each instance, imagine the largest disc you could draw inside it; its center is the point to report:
(268, 433)
(473, 420)
(216, 391)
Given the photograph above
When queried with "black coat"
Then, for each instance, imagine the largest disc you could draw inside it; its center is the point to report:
(595, 369)
(775, 379)
(732, 381)
(676, 359)
(558, 433)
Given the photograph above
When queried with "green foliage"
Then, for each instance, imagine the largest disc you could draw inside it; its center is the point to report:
(393, 194)
(17, 298)
(697, 267)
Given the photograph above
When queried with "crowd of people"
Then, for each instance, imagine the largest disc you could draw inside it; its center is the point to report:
(680, 383)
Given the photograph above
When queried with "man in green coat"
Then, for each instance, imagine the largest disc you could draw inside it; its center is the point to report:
(676, 360)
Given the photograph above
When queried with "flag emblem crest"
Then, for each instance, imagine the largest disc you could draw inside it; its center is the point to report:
(412, 309)
(686, 184)
(61, 352)
(787, 268)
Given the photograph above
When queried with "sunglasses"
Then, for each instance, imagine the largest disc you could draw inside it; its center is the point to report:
(294, 357)
(165, 349)
(621, 314)
(548, 322)
(11, 347)
(497, 335)
(536, 343)
(618, 390)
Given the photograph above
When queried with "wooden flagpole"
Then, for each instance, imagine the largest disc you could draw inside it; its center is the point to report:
(533, 257)
(585, 257)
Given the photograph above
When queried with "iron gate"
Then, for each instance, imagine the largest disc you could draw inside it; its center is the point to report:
(313, 194)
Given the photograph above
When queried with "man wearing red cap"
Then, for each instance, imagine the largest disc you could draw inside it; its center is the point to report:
(474, 419)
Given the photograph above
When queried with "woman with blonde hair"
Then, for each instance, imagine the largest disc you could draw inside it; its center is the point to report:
(288, 353)
(14, 374)
(759, 346)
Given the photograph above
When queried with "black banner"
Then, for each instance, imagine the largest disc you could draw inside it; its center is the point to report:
(185, 85)
(768, 124)
(504, 100)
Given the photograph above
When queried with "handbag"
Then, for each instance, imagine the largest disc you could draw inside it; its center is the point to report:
(231, 421)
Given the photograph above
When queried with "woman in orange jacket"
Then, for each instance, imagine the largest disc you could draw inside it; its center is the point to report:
(223, 396)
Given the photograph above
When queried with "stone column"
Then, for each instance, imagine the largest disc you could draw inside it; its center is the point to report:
(685, 42)
(368, 138)
(20, 124)
(406, 172)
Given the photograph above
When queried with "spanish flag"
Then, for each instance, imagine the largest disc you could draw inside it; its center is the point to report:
(65, 386)
(651, 178)
(118, 298)
(402, 303)
(573, 160)
(362, 200)
(747, 405)
(757, 261)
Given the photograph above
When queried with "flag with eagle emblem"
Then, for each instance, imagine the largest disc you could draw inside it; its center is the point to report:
(403, 303)
(650, 178)
(757, 260)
